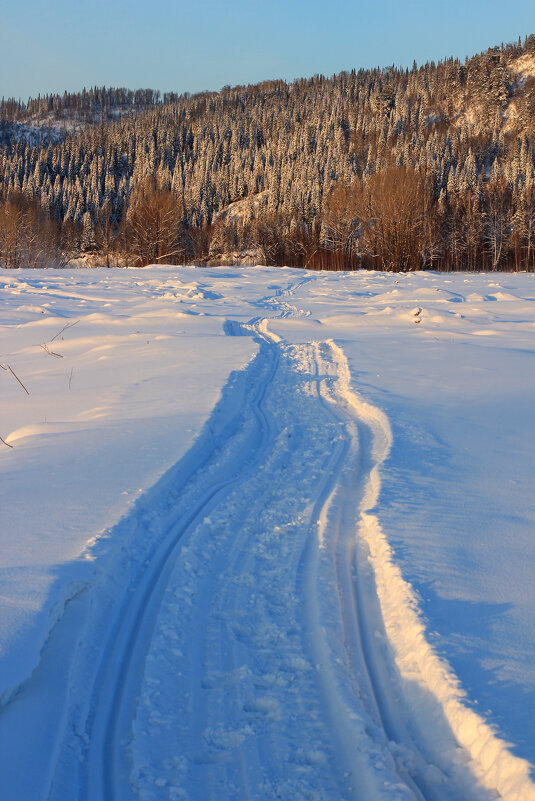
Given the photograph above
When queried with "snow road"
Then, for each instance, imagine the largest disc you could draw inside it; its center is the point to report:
(255, 640)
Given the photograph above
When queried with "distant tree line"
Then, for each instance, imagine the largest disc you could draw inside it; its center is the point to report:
(397, 169)
(91, 105)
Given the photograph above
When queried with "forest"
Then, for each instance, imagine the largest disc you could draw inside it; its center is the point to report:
(429, 167)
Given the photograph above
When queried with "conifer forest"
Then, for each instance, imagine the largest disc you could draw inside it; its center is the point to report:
(431, 167)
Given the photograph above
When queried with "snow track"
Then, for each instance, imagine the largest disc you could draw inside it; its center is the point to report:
(227, 453)
(254, 639)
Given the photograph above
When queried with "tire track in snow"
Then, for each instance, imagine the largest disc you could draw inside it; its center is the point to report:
(253, 725)
(284, 693)
(296, 686)
(102, 726)
(107, 769)
(111, 656)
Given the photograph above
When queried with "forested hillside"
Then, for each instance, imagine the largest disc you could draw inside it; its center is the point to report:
(429, 167)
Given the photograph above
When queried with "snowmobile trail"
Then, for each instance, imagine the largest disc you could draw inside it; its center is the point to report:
(254, 638)
(106, 722)
(286, 694)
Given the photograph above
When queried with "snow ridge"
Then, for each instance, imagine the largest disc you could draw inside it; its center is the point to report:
(421, 671)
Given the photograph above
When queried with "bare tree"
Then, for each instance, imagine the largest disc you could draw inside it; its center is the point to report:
(497, 222)
(341, 223)
(154, 224)
(106, 232)
(387, 218)
(525, 223)
(28, 236)
(394, 208)
(11, 228)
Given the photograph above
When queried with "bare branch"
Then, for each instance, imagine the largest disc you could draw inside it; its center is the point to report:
(69, 325)
(51, 352)
(7, 367)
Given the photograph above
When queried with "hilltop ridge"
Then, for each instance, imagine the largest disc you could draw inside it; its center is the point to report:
(92, 158)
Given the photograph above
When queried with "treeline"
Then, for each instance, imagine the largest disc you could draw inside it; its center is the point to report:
(429, 167)
(84, 104)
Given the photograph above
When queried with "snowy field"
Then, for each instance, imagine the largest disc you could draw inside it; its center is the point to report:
(266, 534)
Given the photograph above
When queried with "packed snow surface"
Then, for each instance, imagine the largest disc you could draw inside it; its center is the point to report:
(266, 534)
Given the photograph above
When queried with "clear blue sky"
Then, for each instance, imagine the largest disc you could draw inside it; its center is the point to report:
(52, 45)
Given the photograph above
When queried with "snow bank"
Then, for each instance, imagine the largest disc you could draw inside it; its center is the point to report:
(421, 670)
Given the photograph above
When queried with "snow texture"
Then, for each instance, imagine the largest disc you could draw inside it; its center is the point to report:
(266, 534)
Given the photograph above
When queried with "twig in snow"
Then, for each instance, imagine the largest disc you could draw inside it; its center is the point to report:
(7, 367)
(46, 344)
(69, 325)
(51, 352)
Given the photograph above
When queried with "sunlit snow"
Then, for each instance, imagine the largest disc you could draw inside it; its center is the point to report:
(266, 533)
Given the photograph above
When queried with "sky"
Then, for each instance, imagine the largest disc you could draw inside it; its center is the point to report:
(55, 45)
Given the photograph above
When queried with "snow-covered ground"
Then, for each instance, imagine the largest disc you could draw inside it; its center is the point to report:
(266, 533)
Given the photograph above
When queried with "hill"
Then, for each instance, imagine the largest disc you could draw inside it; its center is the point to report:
(105, 164)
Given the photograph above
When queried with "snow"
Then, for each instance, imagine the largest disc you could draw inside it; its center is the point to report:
(263, 536)
(140, 372)
(524, 66)
(239, 209)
